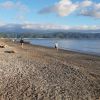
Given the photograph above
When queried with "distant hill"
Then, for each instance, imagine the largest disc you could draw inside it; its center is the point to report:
(67, 35)
(39, 31)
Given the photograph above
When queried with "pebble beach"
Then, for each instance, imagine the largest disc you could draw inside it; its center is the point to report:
(41, 73)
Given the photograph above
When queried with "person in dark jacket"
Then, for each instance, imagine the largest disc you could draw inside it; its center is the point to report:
(22, 42)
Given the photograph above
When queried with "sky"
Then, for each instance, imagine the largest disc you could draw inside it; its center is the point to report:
(65, 14)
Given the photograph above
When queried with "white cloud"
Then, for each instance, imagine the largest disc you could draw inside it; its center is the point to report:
(87, 27)
(44, 26)
(86, 3)
(19, 8)
(91, 10)
(14, 5)
(63, 8)
(59, 27)
(30, 26)
(91, 13)
(67, 7)
(7, 5)
(97, 6)
(22, 7)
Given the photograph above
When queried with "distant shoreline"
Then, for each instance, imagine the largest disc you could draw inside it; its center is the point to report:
(76, 51)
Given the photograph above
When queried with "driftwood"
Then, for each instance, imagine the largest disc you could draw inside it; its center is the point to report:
(2, 46)
(9, 51)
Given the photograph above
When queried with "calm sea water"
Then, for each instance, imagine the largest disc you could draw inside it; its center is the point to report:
(85, 46)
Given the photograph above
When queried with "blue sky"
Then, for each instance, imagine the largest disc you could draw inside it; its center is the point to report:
(71, 13)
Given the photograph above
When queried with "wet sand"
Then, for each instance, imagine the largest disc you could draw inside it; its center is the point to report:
(40, 73)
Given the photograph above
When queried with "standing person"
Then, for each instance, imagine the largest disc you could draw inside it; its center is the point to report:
(22, 42)
(56, 46)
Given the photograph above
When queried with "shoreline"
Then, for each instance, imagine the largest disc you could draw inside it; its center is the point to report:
(69, 50)
(66, 50)
(41, 73)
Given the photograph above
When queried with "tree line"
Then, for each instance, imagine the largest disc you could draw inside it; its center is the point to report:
(67, 35)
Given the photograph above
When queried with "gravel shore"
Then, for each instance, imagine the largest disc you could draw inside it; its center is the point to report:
(40, 73)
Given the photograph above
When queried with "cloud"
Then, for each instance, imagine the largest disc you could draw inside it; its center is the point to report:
(29, 27)
(85, 3)
(97, 6)
(67, 7)
(14, 5)
(22, 7)
(93, 12)
(7, 5)
(44, 26)
(18, 7)
(86, 27)
(63, 8)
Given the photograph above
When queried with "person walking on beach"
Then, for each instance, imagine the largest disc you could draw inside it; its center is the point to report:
(22, 42)
(56, 46)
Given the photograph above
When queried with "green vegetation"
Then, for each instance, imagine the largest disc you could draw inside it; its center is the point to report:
(68, 35)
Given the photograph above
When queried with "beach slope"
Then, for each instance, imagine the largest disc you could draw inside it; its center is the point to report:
(40, 73)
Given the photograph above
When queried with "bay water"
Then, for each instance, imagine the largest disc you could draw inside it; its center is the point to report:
(90, 46)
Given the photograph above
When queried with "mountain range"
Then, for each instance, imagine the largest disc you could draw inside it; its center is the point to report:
(46, 31)
(39, 28)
